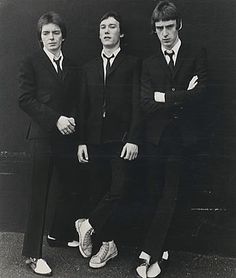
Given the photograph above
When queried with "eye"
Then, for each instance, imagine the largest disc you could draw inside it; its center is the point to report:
(169, 27)
(159, 28)
(112, 26)
(57, 32)
(45, 33)
(102, 26)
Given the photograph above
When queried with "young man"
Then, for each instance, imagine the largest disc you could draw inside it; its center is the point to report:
(48, 93)
(172, 81)
(109, 133)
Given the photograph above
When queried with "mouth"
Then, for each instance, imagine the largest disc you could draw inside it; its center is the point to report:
(107, 38)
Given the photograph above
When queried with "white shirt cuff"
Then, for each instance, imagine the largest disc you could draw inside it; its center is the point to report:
(159, 97)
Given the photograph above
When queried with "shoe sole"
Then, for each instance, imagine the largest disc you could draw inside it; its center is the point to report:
(104, 263)
(77, 227)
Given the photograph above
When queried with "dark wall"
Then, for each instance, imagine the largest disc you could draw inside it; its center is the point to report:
(208, 22)
(212, 23)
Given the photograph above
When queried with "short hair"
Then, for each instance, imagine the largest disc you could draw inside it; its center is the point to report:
(165, 10)
(51, 17)
(114, 15)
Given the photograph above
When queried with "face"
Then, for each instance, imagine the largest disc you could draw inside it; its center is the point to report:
(167, 33)
(109, 33)
(51, 37)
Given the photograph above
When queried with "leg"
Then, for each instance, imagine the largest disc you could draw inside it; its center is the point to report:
(70, 190)
(109, 203)
(41, 174)
(100, 217)
(169, 153)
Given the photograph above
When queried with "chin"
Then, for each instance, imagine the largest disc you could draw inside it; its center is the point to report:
(108, 45)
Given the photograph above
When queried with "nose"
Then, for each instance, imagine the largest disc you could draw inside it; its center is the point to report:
(165, 32)
(107, 29)
(51, 36)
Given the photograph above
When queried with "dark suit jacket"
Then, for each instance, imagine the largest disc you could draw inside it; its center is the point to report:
(180, 102)
(45, 97)
(122, 102)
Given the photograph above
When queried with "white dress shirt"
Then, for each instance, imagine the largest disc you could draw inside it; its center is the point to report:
(175, 49)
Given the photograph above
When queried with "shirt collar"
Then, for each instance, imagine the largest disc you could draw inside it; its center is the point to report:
(52, 56)
(115, 53)
(175, 48)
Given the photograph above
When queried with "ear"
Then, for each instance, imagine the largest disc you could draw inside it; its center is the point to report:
(180, 25)
(122, 35)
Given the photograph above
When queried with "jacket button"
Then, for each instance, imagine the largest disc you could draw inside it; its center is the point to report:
(181, 107)
(173, 89)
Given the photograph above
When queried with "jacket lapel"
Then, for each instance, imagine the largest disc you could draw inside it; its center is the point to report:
(119, 58)
(65, 68)
(99, 68)
(162, 62)
(47, 64)
(180, 58)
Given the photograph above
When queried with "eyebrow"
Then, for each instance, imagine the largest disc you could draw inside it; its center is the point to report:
(110, 24)
(47, 31)
(161, 26)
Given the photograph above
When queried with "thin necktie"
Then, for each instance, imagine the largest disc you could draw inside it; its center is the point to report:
(108, 65)
(59, 70)
(171, 63)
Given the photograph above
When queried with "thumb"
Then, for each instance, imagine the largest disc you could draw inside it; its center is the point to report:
(123, 152)
(72, 121)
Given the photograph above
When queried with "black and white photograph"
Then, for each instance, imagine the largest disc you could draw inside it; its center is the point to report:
(118, 138)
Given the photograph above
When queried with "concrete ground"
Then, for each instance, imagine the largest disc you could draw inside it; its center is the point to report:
(67, 263)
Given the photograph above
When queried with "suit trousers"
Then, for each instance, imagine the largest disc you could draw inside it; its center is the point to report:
(109, 173)
(163, 177)
(48, 155)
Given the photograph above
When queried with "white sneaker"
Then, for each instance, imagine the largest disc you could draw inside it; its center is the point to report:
(165, 255)
(39, 266)
(153, 270)
(142, 269)
(107, 252)
(85, 241)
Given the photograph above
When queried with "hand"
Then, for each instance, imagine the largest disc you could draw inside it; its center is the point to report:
(159, 97)
(82, 153)
(193, 82)
(66, 125)
(129, 151)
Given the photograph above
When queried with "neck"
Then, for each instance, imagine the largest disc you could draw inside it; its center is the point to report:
(110, 51)
(56, 53)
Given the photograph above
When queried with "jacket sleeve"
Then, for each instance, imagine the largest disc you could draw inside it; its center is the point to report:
(83, 109)
(148, 104)
(135, 130)
(28, 101)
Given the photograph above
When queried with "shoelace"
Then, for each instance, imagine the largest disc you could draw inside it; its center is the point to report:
(103, 251)
(87, 238)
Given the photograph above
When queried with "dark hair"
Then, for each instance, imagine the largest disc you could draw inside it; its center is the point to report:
(165, 10)
(114, 15)
(51, 17)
